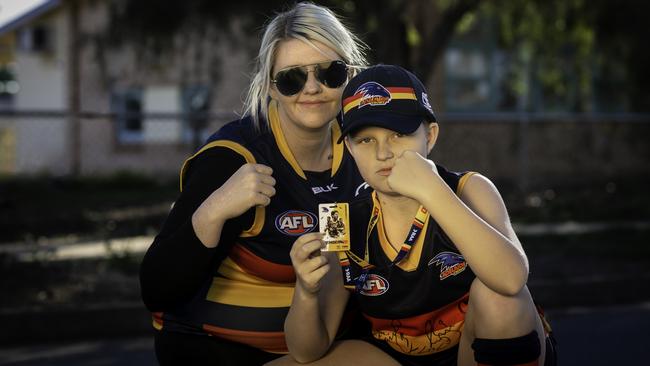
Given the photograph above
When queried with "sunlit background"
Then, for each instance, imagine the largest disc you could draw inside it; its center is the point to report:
(102, 100)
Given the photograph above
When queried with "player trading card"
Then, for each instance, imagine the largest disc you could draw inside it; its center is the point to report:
(334, 223)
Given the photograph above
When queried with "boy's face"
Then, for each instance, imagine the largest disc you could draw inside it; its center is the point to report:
(375, 149)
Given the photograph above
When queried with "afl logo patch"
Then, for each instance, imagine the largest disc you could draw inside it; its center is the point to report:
(294, 222)
(375, 285)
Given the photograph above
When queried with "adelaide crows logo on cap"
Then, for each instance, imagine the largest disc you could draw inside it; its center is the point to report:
(372, 93)
(450, 264)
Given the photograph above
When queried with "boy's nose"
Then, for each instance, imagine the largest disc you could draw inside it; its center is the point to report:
(384, 151)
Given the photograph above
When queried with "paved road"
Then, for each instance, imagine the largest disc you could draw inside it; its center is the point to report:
(617, 335)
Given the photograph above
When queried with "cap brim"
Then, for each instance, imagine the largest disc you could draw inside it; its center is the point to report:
(405, 124)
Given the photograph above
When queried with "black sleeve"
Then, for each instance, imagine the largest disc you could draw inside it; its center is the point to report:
(177, 264)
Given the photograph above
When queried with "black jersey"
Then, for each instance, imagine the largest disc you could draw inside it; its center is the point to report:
(249, 296)
(418, 305)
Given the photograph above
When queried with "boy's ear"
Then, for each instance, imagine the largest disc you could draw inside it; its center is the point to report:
(432, 135)
(347, 142)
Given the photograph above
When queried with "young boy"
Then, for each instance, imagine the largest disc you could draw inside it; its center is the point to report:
(435, 264)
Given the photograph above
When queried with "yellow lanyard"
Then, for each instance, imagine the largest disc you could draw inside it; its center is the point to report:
(411, 238)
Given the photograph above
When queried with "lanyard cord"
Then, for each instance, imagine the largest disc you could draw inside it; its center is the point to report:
(411, 238)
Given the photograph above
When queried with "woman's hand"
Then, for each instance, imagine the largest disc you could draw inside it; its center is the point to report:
(310, 266)
(411, 174)
(251, 185)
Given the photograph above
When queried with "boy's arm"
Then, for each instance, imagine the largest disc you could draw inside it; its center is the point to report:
(477, 222)
(318, 302)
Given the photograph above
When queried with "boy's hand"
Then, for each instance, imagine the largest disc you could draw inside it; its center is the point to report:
(411, 175)
(309, 265)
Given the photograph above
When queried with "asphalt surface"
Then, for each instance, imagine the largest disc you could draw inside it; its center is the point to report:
(613, 271)
(615, 335)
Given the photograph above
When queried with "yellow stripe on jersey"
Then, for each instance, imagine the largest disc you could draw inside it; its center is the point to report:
(410, 263)
(239, 149)
(276, 128)
(258, 222)
(337, 149)
(274, 121)
(231, 270)
(237, 293)
(461, 183)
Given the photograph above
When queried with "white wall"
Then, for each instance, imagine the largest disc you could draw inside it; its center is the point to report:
(42, 75)
(161, 99)
(42, 146)
(42, 143)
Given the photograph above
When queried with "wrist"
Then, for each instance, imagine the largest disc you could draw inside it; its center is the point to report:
(305, 295)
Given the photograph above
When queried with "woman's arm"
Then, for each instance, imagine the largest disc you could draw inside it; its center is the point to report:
(478, 224)
(178, 262)
(318, 301)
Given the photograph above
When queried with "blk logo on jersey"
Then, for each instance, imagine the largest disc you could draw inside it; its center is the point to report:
(294, 222)
(450, 264)
(375, 285)
(327, 188)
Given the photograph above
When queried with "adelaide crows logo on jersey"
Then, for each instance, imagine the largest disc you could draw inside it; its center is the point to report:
(372, 93)
(450, 264)
(374, 285)
(294, 222)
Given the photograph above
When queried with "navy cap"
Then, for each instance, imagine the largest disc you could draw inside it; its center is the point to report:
(385, 96)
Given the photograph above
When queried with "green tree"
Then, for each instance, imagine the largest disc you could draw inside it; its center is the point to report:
(568, 47)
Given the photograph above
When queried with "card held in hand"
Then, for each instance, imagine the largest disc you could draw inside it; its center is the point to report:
(334, 224)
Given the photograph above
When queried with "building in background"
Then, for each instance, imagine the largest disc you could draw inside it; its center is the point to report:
(73, 101)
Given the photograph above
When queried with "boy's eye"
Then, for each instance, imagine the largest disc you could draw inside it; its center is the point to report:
(364, 140)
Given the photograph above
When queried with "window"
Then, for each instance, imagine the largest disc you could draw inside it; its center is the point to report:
(196, 109)
(470, 60)
(127, 107)
(38, 38)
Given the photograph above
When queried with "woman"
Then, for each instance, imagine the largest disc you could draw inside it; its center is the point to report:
(435, 265)
(218, 277)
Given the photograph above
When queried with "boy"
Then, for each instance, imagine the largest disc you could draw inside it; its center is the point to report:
(435, 264)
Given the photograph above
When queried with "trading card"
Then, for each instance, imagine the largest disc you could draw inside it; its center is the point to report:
(334, 223)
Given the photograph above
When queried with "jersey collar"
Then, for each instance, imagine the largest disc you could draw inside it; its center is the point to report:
(337, 149)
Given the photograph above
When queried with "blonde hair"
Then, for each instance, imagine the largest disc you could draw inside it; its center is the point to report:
(306, 22)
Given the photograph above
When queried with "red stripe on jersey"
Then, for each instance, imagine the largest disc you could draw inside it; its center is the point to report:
(157, 319)
(267, 341)
(425, 323)
(260, 267)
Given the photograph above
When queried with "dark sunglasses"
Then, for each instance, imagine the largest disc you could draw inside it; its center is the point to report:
(290, 81)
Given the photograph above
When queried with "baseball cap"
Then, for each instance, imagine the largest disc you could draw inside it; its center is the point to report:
(385, 96)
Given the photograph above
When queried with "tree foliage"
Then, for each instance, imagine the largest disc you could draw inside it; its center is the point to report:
(568, 47)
